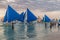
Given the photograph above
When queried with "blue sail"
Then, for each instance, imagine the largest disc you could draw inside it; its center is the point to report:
(11, 14)
(46, 19)
(30, 16)
(21, 17)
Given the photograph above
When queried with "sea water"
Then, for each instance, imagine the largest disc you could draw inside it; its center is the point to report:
(33, 31)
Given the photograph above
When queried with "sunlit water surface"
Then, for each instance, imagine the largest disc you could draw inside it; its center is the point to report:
(26, 32)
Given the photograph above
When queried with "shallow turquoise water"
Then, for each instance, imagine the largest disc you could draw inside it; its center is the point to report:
(25, 32)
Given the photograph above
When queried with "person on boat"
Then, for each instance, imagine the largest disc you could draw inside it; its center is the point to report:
(52, 23)
(45, 24)
(12, 26)
(58, 23)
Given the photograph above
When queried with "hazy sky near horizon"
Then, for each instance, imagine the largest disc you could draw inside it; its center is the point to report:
(36, 6)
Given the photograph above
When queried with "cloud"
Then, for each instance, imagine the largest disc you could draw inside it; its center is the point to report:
(10, 0)
(44, 5)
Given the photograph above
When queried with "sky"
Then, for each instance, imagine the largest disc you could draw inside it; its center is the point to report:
(38, 7)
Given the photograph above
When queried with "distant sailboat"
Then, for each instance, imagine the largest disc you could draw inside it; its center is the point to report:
(29, 16)
(11, 15)
(46, 18)
(21, 17)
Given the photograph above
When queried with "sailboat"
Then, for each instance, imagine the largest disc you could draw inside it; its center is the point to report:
(21, 17)
(11, 15)
(46, 18)
(29, 16)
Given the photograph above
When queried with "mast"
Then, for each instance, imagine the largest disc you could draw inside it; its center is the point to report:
(45, 21)
(25, 21)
